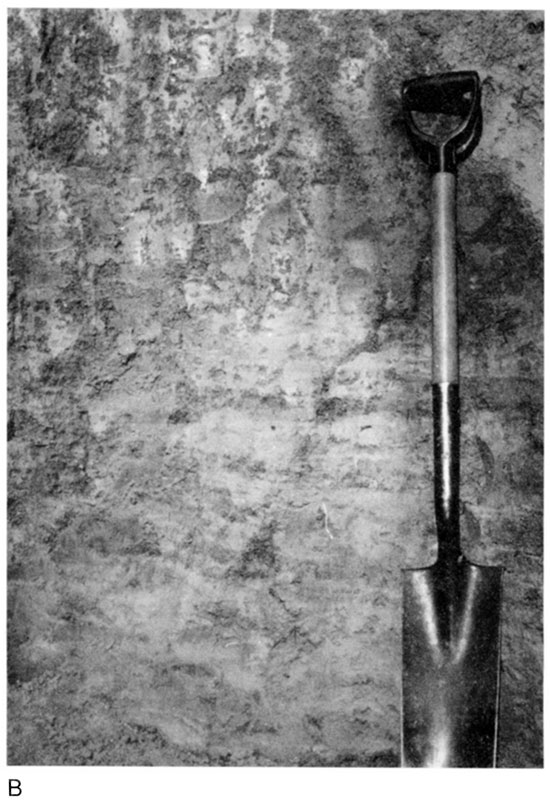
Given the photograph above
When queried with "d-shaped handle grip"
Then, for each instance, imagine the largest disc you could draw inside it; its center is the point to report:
(456, 94)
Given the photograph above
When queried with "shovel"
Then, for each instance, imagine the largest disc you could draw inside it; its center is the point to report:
(451, 610)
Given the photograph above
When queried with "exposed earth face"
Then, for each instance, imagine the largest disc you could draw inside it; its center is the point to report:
(220, 415)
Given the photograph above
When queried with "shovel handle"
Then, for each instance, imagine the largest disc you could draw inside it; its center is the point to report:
(445, 374)
(453, 95)
(457, 94)
(444, 290)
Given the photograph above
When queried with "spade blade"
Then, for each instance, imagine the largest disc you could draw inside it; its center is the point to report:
(451, 655)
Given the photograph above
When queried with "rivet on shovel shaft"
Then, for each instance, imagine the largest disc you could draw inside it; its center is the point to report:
(451, 610)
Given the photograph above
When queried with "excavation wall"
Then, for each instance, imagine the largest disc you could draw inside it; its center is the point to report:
(219, 378)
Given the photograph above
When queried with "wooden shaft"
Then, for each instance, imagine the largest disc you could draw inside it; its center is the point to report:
(445, 370)
(444, 320)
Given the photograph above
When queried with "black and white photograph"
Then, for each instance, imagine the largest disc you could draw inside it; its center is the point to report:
(274, 416)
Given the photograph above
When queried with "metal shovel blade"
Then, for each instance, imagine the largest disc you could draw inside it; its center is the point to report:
(451, 654)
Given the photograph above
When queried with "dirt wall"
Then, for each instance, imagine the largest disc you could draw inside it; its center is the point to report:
(219, 378)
